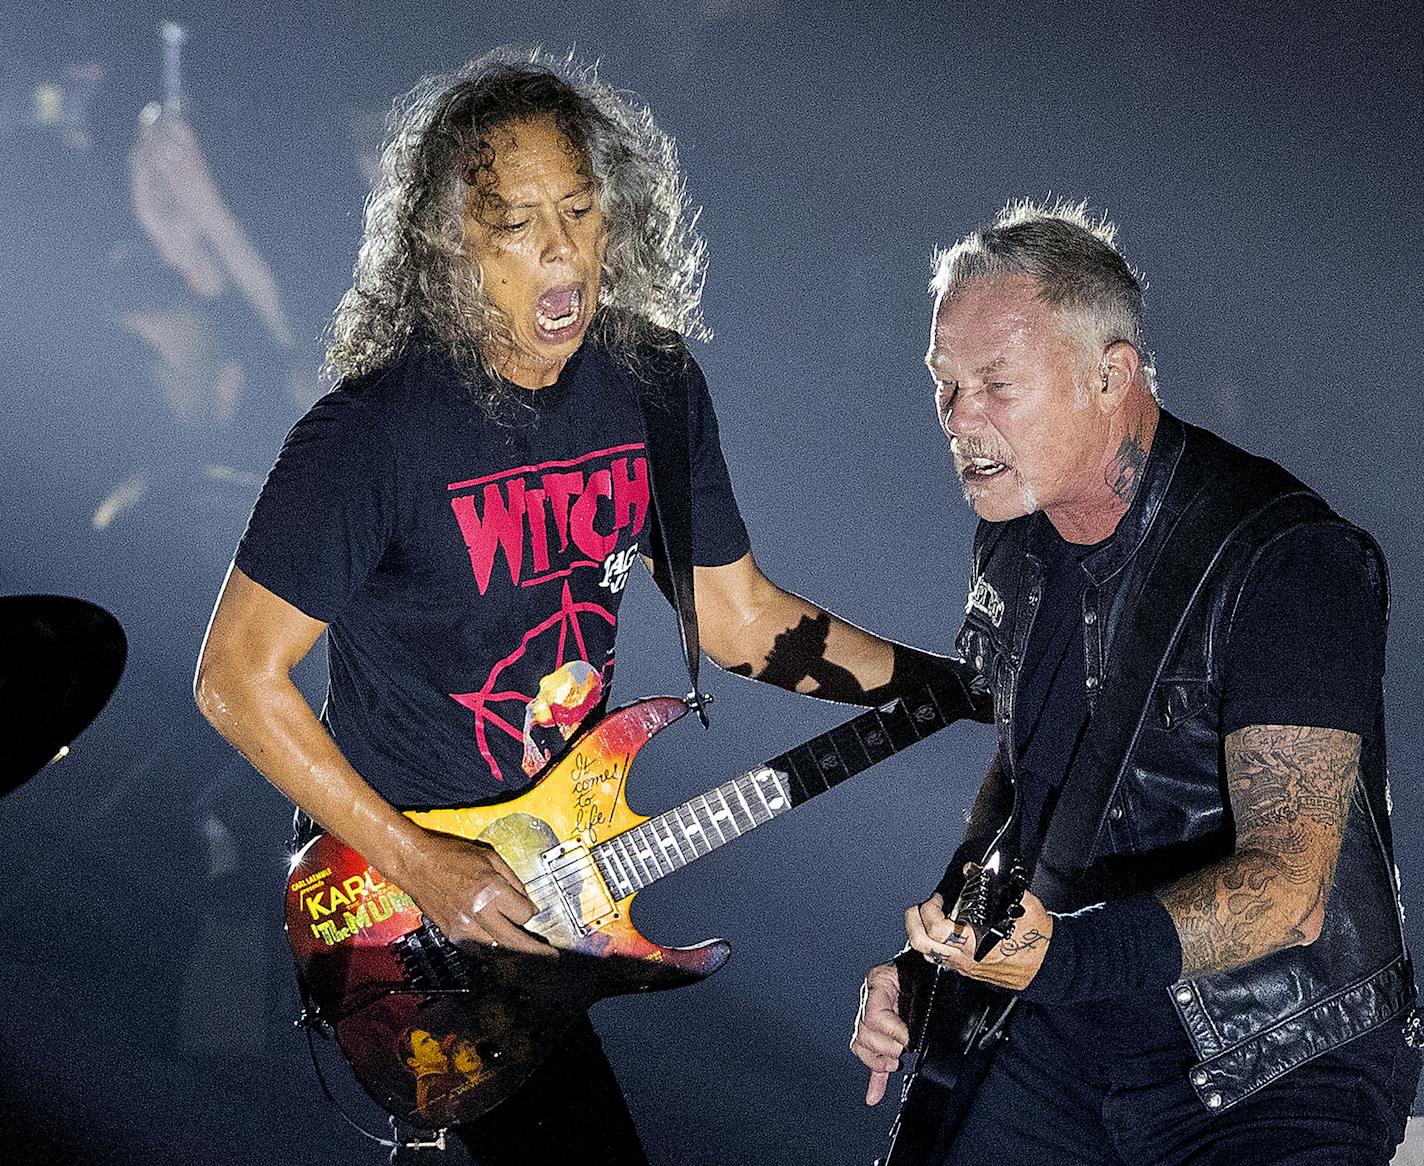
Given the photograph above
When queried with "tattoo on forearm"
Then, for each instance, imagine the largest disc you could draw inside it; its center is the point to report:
(799, 654)
(1029, 940)
(1290, 789)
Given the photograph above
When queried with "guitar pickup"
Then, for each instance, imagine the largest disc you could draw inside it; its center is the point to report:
(582, 894)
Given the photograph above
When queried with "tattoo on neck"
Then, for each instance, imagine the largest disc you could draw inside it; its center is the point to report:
(1128, 462)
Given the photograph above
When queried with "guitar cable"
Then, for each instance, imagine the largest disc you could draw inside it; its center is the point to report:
(309, 1021)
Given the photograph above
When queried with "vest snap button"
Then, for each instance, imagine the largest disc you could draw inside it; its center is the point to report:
(979, 663)
(1184, 995)
(1090, 617)
(1213, 1100)
(1199, 1077)
(1115, 813)
(1032, 598)
(1092, 682)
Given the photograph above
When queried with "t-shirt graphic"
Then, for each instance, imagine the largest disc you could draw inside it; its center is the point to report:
(546, 522)
(470, 569)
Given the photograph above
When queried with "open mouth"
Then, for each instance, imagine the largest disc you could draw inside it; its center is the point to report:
(981, 469)
(558, 313)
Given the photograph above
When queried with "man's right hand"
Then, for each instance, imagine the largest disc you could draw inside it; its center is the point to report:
(880, 1035)
(244, 687)
(468, 891)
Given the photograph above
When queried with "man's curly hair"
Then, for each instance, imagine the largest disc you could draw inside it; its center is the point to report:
(414, 272)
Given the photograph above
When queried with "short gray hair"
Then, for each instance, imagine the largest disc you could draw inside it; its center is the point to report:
(1075, 261)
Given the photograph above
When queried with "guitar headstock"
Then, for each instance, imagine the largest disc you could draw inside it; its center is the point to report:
(991, 901)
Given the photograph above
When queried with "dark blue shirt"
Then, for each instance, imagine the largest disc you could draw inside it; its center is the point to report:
(470, 570)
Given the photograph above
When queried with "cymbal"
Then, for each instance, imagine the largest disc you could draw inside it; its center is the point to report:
(60, 660)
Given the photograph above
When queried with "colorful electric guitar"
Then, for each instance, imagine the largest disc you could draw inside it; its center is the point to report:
(439, 1034)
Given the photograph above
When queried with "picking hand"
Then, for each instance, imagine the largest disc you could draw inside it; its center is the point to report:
(468, 891)
(1012, 964)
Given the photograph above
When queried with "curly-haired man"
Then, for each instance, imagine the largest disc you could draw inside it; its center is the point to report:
(461, 511)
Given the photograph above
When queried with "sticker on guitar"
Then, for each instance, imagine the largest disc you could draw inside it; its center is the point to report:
(363, 900)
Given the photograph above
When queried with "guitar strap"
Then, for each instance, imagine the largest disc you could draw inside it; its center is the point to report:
(1200, 525)
(662, 390)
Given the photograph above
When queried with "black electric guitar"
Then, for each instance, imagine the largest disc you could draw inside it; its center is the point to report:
(955, 1023)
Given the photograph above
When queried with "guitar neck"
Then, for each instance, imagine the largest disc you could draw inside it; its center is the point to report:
(632, 860)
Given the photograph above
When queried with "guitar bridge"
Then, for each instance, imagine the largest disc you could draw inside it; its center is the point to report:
(583, 897)
(431, 963)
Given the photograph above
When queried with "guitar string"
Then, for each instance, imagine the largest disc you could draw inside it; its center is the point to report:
(672, 850)
(580, 864)
(577, 868)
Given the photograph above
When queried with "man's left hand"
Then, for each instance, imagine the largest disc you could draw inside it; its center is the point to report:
(1012, 964)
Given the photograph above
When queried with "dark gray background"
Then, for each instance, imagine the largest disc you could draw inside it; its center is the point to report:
(1264, 167)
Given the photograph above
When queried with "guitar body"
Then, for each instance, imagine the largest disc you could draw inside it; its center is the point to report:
(436, 1034)
(956, 1025)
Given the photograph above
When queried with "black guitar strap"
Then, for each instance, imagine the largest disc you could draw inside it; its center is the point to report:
(1201, 525)
(663, 397)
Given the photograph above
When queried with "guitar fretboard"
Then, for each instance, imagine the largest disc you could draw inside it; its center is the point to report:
(637, 857)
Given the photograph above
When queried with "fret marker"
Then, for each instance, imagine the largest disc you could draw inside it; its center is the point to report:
(777, 799)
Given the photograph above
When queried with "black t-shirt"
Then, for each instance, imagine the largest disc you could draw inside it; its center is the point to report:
(1306, 647)
(470, 570)
(1052, 705)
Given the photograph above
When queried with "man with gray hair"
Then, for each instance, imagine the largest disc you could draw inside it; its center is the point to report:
(1185, 647)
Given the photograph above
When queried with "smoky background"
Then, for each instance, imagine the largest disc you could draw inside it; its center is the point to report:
(173, 243)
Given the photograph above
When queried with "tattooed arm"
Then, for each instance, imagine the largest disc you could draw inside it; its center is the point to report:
(751, 626)
(1290, 790)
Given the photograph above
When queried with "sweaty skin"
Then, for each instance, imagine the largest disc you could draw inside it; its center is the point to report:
(1070, 429)
(536, 224)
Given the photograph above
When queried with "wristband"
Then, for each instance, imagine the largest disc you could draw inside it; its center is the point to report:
(913, 667)
(1120, 948)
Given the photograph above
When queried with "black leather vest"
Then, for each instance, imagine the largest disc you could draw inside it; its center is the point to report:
(1166, 811)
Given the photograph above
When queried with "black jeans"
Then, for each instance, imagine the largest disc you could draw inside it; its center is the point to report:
(571, 1111)
(1052, 1097)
